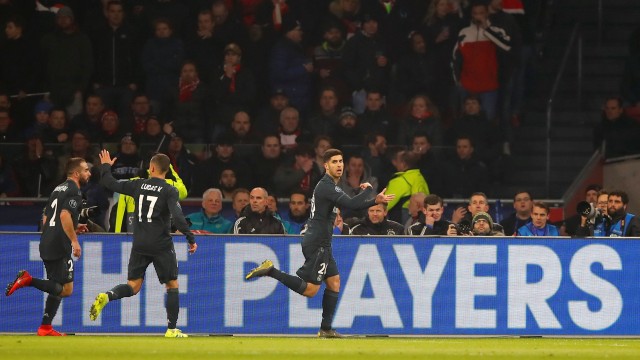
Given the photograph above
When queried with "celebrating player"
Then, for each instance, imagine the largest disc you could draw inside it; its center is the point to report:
(316, 244)
(157, 203)
(58, 241)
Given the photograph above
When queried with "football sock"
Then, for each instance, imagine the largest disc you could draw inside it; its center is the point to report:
(173, 307)
(48, 286)
(292, 282)
(50, 309)
(329, 302)
(120, 291)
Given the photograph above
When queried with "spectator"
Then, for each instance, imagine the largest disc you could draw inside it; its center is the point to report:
(203, 48)
(365, 60)
(239, 200)
(8, 181)
(570, 225)
(538, 225)
(375, 117)
(227, 29)
(8, 131)
(617, 131)
(325, 121)
(482, 225)
(296, 218)
(269, 120)
(190, 101)
(79, 146)
(339, 226)
(58, 131)
(19, 67)
(41, 113)
(349, 131)
(300, 174)
(69, 61)
(475, 58)
(233, 85)
(356, 173)
(116, 46)
(522, 204)
(228, 182)
(289, 68)
(208, 219)
(35, 169)
(161, 58)
(440, 27)
(90, 119)
(431, 222)
(154, 134)
(374, 155)
(208, 172)
(430, 164)
(623, 223)
(266, 163)
(291, 134)
(182, 160)
(376, 223)
(320, 145)
(241, 130)
(466, 174)
(328, 63)
(415, 72)
(407, 181)
(478, 203)
(256, 218)
(110, 131)
(135, 120)
(416, 204)
(423, 117)
(128, 162)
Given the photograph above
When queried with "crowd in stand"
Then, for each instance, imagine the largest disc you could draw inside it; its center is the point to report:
(421, 96)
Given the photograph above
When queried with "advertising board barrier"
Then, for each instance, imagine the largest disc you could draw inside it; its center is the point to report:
(390, 285)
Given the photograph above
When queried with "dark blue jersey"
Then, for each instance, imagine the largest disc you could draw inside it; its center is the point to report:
(326, 197)
(156, 203)
(54, 242)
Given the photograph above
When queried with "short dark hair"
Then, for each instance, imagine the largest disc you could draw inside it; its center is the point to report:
(410, 158)
(238, 191)
(329, 153)
(594, 187)
(542, 205)
(433, 199)
(479, 193)
(73, 164)
(372, 137)
(319, 138)
(162, 161)
(299, 192)
(622, 194)
(522, 192)
(423, 134)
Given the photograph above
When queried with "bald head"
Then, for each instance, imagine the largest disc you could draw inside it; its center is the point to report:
(258, 200)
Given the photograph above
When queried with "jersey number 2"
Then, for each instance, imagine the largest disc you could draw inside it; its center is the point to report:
(152, 200)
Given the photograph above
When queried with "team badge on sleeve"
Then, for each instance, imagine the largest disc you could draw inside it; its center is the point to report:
(73, 203)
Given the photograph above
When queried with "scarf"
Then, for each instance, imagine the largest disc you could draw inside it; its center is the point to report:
(232, 85)
(187, 89)
(279, 10)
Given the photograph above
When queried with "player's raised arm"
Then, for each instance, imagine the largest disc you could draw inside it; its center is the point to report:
(107, 180)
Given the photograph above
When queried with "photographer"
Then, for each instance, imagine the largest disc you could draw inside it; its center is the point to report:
(482, 225)
(616, 223)
(431, 221)
(596, 223)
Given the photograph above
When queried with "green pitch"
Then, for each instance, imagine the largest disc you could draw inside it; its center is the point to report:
(284, 348)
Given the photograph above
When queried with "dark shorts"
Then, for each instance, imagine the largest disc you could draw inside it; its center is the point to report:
(319, 264)
(165, 263)
(60, 271)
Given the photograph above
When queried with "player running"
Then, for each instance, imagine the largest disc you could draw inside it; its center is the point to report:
(316, 244)
(157, 203)
(58, 241)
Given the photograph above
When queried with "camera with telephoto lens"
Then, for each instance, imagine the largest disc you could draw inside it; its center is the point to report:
(463, 227)
(588, 210)
(86, 212)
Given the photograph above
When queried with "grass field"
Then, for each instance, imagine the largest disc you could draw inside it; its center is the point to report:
(286, 348)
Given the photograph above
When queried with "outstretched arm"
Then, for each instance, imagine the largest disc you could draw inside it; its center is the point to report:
(108, 181)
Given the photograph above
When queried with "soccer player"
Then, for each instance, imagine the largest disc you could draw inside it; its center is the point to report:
(58, 241)
(157, 203)
(316, 244)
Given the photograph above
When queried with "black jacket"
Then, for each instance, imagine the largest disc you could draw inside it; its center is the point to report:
(420, 228)
(386, 227)
(251, 222)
